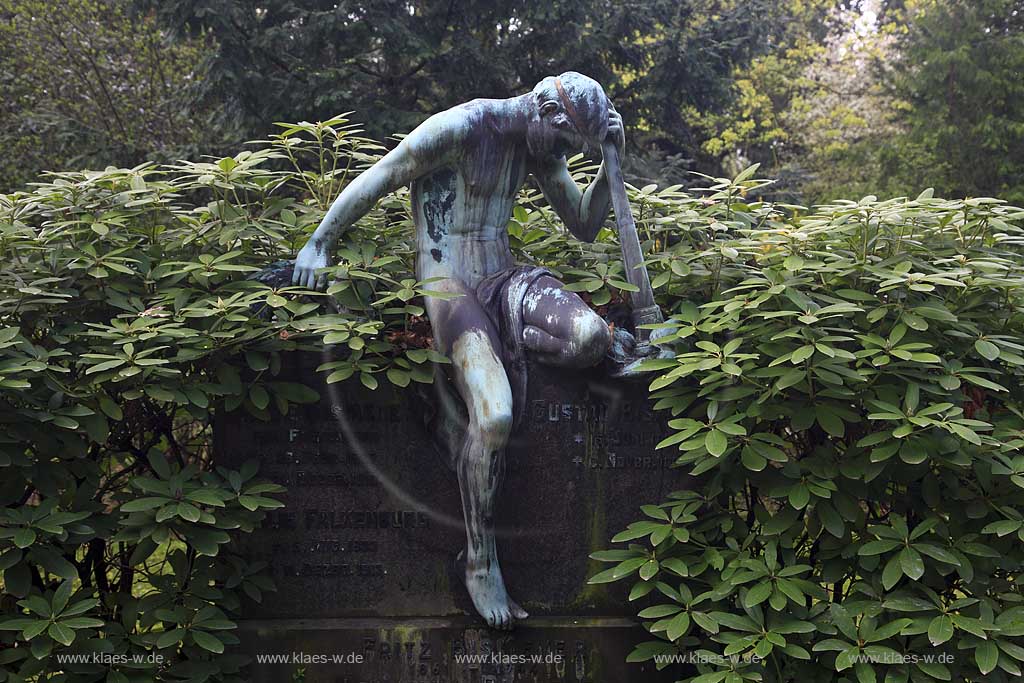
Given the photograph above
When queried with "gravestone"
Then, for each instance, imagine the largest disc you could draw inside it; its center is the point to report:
(364, 552)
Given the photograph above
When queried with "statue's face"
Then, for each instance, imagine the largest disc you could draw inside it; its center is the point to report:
(552, 132)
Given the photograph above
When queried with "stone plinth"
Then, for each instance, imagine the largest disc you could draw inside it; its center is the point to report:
(364, 553)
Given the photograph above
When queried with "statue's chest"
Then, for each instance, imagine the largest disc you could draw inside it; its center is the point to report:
(493, 170)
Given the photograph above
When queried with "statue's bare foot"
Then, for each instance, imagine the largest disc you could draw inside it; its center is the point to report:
(487, 588)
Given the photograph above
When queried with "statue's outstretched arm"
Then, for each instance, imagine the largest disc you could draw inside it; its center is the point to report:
(425, 149)
(583, 212)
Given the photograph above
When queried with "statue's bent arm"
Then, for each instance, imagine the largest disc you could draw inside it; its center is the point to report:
(431, 145)
(582, 212)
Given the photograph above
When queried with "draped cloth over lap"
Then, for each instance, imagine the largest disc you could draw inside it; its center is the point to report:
(502, 295)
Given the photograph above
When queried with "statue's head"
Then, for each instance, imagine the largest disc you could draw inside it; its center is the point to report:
(571, 114)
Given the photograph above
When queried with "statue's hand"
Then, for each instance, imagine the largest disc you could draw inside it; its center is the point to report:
(309, 260)
(616, 131)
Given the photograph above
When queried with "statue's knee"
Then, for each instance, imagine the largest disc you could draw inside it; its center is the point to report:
(484, 387)
(593, 338)
(495, 424)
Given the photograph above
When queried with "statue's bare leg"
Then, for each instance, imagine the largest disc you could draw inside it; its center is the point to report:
(463, 331)
(560, 329)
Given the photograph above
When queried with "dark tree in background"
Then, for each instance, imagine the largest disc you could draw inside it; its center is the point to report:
(834, 97)
(395, 62)
(84, 84)
(895, 97)
(960, 71)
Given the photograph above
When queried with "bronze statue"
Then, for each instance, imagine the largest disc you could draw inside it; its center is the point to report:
(466, 166)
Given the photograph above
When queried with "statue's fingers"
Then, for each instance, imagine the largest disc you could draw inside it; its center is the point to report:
(296, 275)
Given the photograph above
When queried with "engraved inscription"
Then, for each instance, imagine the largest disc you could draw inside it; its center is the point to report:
(351, 544)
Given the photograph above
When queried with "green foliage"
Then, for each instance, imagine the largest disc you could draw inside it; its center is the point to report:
(842, 385)
(813, 111)
(129, 316)
(929, 94)
(846, 388)
(771, 89)
(127, 319)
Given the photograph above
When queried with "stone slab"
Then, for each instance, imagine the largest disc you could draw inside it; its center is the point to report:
(367, 541)
(451, 650)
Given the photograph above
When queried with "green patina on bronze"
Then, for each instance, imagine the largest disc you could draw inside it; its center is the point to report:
(465, 167)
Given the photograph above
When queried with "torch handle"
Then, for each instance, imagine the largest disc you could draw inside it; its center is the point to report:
(645, 311)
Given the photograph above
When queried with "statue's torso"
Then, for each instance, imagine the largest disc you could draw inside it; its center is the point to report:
(461, 210)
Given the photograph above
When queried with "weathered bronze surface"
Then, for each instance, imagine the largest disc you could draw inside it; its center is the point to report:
(465, 167)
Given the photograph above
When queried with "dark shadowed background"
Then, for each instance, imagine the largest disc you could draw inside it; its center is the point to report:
(833, 98)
